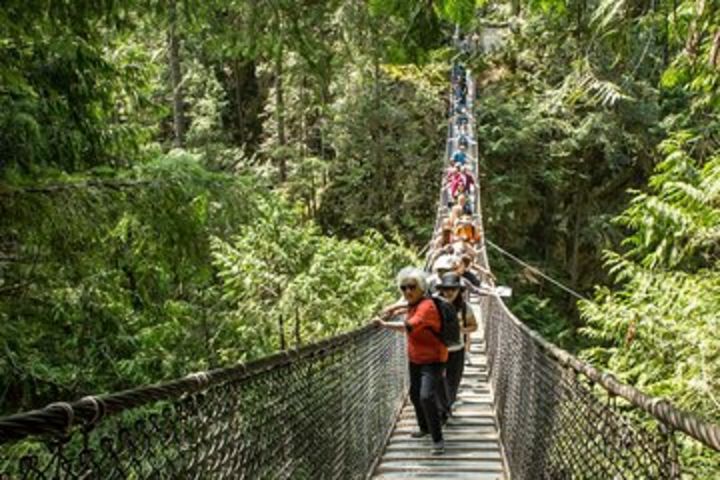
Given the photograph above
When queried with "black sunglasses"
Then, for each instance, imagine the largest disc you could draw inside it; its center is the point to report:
(408, 287)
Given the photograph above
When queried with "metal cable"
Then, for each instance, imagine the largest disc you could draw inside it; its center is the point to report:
(557, 283)
(324, 411)
(320, 412)
(554, 416)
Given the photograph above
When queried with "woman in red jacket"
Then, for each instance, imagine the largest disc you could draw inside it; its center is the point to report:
(426, 352)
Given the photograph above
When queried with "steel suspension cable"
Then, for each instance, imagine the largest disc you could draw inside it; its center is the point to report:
(519, 261)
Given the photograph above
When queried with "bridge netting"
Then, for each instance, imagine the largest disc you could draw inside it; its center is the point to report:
(320, 412)
(326, 410)
(559, 417)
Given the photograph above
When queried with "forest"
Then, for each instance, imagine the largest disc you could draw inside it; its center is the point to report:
(187, 185)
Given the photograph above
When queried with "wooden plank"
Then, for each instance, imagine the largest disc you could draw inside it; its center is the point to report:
(453, 424)
(460, 437)
(450, 455)
(439, 476)
(459, 415)
(472, 445)
(458, 429)
(438, 464)
(457, 446)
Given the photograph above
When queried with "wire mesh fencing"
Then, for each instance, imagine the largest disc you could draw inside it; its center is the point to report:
(558, 424)
(321, 412)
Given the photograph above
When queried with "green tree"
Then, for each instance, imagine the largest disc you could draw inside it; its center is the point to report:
(657, 328)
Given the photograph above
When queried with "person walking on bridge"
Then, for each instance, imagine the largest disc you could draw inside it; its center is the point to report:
(451, 287)
(427, 354)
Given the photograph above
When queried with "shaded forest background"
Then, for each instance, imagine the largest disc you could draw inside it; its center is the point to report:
(184, 185)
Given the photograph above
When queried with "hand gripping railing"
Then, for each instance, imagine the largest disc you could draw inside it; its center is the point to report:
(560, 418)
(320, 412)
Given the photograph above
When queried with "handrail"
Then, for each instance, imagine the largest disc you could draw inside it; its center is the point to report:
(513, 361)
(321, 411)
(694, 426)
(58, 417)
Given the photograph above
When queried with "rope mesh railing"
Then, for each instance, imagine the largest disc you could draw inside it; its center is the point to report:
(559, 418)
(321, 412)
(556, 424)
(325, 411)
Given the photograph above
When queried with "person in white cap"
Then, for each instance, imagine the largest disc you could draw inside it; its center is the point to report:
(451, 288)
(444, 264)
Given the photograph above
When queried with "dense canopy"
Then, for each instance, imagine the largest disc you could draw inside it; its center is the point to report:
(185, 185)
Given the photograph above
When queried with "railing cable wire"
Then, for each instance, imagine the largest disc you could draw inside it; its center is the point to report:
(539, 272)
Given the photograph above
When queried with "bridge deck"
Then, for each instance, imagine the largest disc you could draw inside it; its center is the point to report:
(472, 447)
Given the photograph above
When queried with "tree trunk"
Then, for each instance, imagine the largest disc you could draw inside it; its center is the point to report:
(376, 132)
(280, 112)
(175, 77)
(298, 341)
(575, 261)
(246, 104)
(666, 40)
(714, 58)
(580, 16)
(240, 134)
(313, 198)
(281, 331)
(695, 33)
(304, 117)
(324, 95)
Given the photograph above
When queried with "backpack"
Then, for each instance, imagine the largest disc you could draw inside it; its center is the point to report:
(449, 325)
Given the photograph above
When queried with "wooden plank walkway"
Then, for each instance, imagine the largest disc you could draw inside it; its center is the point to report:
(472, 448)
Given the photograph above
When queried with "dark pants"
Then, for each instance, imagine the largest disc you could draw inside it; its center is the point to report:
(453, 374)
(426, 382)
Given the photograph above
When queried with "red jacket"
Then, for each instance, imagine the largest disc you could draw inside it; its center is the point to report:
(423, 344)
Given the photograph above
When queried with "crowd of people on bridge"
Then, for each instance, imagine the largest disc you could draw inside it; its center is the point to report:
(436, 302)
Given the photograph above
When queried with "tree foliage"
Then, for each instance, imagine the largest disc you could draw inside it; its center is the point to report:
(602, 110)
(312, 139)
(658, 328)
(107, 288)
(121, 264)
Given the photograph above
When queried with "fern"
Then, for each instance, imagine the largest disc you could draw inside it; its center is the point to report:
(584, 86)
(606, 12)
(658, 327)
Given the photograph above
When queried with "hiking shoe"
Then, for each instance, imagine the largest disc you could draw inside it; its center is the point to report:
(438, 448)
(418, 434)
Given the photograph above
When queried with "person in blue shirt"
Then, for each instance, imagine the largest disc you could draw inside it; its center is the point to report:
(459, 157)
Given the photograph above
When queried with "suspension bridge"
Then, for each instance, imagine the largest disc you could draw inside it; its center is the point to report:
(338, 409)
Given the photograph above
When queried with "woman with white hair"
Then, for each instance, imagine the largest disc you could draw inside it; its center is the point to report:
(427, 354)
